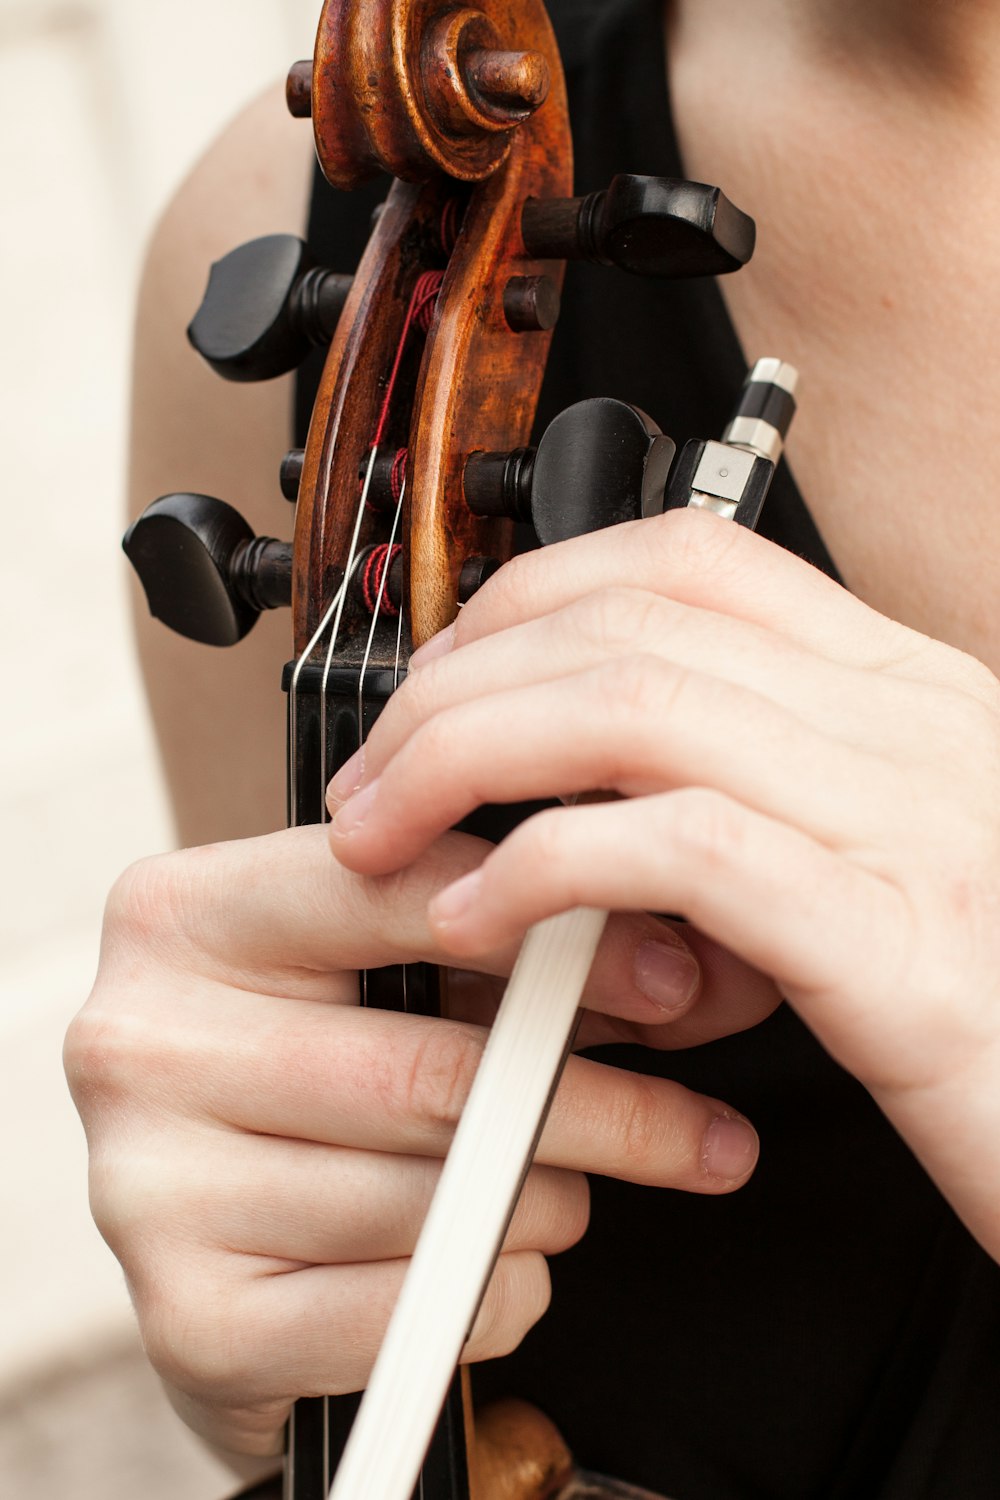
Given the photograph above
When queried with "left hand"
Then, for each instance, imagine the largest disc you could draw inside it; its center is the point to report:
(814, 787)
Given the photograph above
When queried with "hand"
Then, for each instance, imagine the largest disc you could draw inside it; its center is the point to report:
(816, 788)
(263, 1151)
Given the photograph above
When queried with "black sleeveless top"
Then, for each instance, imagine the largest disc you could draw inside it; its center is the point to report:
(831, 1330)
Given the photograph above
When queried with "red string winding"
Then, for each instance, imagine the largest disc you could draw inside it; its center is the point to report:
(397, 475)
(378, 566)
(420, 313)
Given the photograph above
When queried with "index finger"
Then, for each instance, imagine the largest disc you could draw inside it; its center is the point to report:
(698, 559)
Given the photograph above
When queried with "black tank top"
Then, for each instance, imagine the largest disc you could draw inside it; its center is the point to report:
(830, 1331)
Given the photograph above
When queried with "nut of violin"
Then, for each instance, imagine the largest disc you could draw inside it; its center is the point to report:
(511, 84)
(298, 90)
(531, 304)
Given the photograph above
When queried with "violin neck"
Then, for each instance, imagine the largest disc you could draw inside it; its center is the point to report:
(329, 714)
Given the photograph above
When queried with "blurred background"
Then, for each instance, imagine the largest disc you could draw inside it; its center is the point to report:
(104, 105)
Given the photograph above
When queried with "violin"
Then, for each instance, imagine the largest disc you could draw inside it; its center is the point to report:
(420, 462)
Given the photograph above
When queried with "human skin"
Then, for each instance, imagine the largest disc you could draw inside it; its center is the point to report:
(845, 844)
(214, 1059)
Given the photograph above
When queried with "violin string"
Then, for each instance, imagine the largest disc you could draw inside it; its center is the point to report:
(291, 1468)
(395, 686)
(334, 613)
(379, 596)
(349, 568)
(382, 585)
(421, 305)
(293, 734)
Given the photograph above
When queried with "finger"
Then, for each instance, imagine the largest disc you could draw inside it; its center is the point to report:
(612, 626)
(239, 1359)
(293, 1201)
(697, 559)
(781, 901)
(213, 917)
(657, 727)
(381, 1082)
(733, 997)
(278, 909)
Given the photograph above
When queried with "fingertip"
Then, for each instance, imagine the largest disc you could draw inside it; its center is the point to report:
(347, 781)
(438, 645)
(730, 1152)
(667, 974)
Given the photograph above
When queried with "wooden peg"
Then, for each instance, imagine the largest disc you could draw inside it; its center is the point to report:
(298, 90)
(515, 84)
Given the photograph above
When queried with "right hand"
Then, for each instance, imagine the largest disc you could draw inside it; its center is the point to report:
(263, 1152)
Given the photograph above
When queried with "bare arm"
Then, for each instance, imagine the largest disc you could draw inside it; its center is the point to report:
(218, 714)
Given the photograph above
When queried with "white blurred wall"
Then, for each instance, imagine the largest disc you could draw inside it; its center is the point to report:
(103, 106)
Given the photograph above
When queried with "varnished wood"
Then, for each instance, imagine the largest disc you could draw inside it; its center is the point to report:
(479, 380)
(519, 1455)
(350, 397)
(418, 88)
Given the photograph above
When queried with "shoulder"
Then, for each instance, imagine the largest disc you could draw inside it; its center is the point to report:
(194, 432)
(254, 179)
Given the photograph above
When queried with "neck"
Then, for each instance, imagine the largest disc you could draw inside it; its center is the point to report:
(949, 48)
(951, 44)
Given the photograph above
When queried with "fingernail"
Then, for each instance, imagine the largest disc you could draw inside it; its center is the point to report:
(667, 974)
(438, 645)
(354, 812)
(348, 779)
(731, 1148)
(454, 901)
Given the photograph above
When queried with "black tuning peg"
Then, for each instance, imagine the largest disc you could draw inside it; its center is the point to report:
(651, 226)
(204, 572)
(265, 306)
(598, 463)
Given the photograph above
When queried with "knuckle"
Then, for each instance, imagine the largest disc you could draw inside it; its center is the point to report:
(706, 825)
(639, 1127)
(615, 621)
(438, 1074)
(641, 682)
(107, 1054)
(968, 675)
(126, 1201)
(199, 1348)
(152, 900)
(693, 543)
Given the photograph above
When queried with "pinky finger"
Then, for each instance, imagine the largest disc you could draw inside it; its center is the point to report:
(803, 913)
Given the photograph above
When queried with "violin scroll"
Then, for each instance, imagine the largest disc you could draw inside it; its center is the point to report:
(418, 89)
